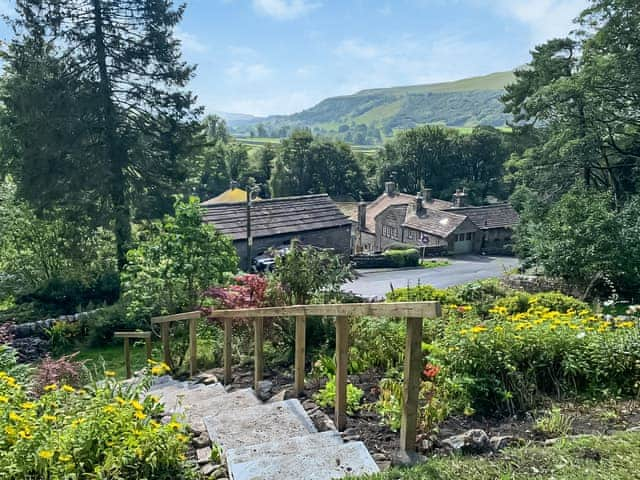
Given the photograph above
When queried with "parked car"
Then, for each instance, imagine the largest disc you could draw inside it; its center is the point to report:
(267, 259)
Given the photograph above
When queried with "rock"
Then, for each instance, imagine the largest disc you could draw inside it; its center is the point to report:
(281, 396)
(351, 438)
(203, 455)
(219, 472)
(349, 432)
(383, 466)
(264, 390)
(324, 423)
(165, 419)
(208, 378)
(379, 457)
(500, 442)
(309, 404)
(475, 440)
(207, 469)
(202, 440)
(634, 429)
(426, 445)
(400, 458)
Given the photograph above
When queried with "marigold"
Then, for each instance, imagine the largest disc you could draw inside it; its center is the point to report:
(46, 454)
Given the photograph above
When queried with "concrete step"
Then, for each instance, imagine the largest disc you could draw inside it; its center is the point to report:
(175, 397)
(196, 407)
(286, 447)
(335, 461)
(271, 422)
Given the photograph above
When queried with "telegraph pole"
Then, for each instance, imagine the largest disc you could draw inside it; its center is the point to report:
(250, 191)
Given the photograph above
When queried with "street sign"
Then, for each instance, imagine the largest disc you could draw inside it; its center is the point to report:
(424, 239)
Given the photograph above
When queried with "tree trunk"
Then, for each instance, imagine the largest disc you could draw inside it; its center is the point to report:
(115, 151)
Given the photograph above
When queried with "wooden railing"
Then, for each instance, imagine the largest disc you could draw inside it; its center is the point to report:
(413, 312)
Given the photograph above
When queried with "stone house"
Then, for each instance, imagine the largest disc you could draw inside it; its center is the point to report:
(438, 226)
(312, 219)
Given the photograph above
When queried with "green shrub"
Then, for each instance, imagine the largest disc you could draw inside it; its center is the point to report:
(376, 343)
(103, 432)
(422, 293)
(326, 397)
(403, 258)
(554, 423)
(63, 335)
(522, 301)
(102, 324)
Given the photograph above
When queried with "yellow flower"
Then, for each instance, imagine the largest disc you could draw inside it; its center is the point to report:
(68, 388)
(14, 417)
(464, 331)
(50, 388)
(174, 425)
(77, 422)
(478, 329)
(9, 430)
(182, 438)
(136, 404)
(46, 454)
(28, 405)
(121, 400)
(109, 373)
(139, 415)
(4, 399)
(25, 435)
(182, 456)
(139, 452)
(626, 325)
(65, 458)
(109, 409)
(49, 418)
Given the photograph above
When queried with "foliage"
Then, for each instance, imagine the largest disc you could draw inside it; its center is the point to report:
(61, 371)
(305, 165)
(304, 272)
(102, 324)
(554, 423)
(422, 293)
(403, 258)
(9, 365)
(513, 359)
(554, 301)
(174, 262)
(326, 397)
(103, 432)
(249, 292)
(63, 335)
(376, 343)
(113, 136)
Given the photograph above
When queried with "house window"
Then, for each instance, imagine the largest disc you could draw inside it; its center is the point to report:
(469, 236)
(410, 234)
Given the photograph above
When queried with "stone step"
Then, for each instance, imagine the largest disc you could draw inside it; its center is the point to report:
(174, 397)
(270, 422)
(286, 447)
(196, 407)
(335, 461)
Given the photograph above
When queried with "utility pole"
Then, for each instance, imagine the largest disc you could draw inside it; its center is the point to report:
(250, 191)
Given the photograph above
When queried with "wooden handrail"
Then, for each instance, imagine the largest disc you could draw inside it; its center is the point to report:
(413, 312)
(127, 336)
(400, 309)
(165, 321)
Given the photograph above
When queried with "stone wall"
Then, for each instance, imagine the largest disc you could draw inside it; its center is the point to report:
(539, 284)
(336, 238)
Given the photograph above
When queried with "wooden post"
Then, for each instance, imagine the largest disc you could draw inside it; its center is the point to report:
(411, 387)
(193, 346)
(342, 346)
(228, 326)
(127, 357)
(147, 342)
(166, 348)
(258, 351)
(301, 327)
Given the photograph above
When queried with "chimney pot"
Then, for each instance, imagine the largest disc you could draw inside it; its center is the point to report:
(362, 216)
(419, 206)
(389, 188)
(426, 194)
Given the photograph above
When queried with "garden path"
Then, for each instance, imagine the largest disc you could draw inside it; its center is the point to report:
(263, 441)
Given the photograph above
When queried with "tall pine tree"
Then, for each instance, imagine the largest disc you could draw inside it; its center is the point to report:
(96, 105)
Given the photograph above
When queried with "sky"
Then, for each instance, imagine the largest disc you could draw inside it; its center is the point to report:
(265, 57)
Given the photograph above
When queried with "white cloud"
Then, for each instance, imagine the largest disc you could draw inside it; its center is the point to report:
(190, 42)
(546, 19)
(276, 103)
(244, 72)
(285, 9)
(358, 49)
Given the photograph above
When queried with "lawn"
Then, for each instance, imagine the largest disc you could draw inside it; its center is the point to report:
(434, 263)
(594, 457)
(111, 357)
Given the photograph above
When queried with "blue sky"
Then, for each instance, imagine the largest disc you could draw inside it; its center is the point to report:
(280, 56)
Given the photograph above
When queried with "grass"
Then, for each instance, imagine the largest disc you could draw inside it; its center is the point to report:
(112, 358)
(585, 458)
(434, 263)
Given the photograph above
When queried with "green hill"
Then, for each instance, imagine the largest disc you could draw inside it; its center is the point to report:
(368, 116)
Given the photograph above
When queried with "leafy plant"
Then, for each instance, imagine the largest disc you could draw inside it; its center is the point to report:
(326, 397)
(554, 423)
(63, 370)
(63, 335)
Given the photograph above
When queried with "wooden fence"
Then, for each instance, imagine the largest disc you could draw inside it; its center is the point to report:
(413, 312)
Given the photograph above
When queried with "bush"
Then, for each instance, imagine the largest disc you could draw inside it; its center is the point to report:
(403, 258)
(102, 324)
(376, 343)
(422, 293)
(326, 397)
(521, 302)
(515, 358)
(103, 432)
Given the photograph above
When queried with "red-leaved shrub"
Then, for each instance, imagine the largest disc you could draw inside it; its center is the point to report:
(63, 371)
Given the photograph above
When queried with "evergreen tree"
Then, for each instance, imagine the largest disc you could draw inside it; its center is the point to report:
(115, 67)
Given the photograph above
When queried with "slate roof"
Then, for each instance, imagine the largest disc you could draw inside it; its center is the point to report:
(275, 216)
(436, 222)
(385, 200)
(499, 215)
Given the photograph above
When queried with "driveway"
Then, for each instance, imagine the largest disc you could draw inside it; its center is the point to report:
(463, 269)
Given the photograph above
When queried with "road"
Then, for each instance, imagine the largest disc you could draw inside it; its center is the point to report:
(377, 282)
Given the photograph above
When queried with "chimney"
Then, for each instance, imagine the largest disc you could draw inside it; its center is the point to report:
(460, 198)
(233, 184)
(389, 188)
(426, 194)
(419, 206)
(362, 216)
